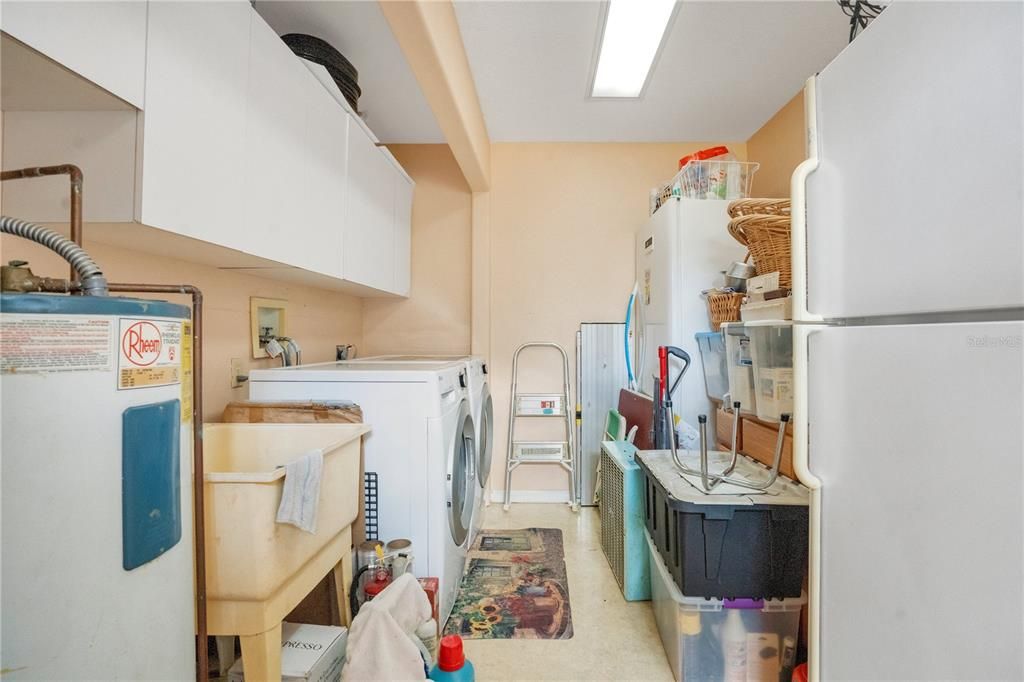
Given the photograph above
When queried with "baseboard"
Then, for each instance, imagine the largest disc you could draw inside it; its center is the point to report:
(535, 496)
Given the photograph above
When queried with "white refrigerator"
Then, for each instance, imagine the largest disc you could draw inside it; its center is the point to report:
(680, 251)
(908, 254)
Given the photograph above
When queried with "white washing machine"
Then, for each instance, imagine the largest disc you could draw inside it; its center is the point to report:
(482, 409)
(421, 446)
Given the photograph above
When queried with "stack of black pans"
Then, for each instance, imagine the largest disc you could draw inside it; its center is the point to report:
(321, 52)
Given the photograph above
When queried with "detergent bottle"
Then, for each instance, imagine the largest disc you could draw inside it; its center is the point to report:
(452, 665)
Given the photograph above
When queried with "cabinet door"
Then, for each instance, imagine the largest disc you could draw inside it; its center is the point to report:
(104, 42)
(404, 189)
(197, 67)
(324, 189)
(369, 256)
(275, 149)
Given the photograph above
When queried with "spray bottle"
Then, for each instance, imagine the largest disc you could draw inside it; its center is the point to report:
(734, 647)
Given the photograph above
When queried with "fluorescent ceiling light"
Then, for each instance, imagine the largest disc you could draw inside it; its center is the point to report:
(633, 31)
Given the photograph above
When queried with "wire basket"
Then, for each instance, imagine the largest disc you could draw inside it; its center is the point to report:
(723, 307)
(744, 207)
(768, 239)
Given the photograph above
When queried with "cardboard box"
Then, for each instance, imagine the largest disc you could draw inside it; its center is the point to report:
(429, 586)
(309, 653)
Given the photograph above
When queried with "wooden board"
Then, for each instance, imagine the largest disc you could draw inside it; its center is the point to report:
(292, 412)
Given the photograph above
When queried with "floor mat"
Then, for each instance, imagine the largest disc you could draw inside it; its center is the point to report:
(515, 587)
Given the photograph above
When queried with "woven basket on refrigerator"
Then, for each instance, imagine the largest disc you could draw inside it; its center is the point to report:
(742, 207)
(723, 307)
(768, 239)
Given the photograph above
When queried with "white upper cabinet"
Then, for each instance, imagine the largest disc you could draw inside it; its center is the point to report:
(275, 147)
(403, 234)
(104, 42)
(197, 74)
(235, 143)
(370, 216)
(323, 196)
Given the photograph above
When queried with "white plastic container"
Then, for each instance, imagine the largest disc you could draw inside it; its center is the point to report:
(740, 367)
(776, 309)
(771, 346)
(714, 639)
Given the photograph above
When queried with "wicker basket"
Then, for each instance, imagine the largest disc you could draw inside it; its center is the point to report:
(768, 239)
(742, 207)
(723, 307)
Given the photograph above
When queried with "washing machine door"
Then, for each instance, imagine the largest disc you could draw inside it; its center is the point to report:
(485, 439)
(461, 492)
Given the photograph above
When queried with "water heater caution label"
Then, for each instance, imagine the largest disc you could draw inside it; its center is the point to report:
(55, 343)
(149, 353)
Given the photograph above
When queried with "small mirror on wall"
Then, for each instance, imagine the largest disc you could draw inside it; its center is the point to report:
(267, 316)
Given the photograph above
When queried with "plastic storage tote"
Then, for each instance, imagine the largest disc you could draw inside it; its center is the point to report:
(719, 546)
(712, 358)
(771, 351)
(714, 639)
(740, 367)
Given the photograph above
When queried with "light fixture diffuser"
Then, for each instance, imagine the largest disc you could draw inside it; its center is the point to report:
(633, 31)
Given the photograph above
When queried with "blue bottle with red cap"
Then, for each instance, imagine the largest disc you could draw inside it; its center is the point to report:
(452, 665)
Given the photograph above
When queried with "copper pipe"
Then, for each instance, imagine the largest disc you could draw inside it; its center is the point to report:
(74, 173)
(198, 500)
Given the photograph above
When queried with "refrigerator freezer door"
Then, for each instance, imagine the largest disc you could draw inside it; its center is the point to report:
(916, 436)
(916, 203)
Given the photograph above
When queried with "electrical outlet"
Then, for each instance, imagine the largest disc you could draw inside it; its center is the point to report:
(238, 376)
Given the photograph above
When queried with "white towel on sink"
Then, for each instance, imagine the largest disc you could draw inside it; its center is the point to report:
(301, 494)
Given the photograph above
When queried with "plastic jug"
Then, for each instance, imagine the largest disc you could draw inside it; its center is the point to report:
(452, 665)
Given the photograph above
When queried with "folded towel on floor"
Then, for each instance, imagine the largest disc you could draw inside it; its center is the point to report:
(301, 494)
(380, 643)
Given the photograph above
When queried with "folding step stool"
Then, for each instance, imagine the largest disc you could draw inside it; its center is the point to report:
(541, 405)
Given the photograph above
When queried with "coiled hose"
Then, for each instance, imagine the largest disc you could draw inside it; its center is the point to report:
(89, 274)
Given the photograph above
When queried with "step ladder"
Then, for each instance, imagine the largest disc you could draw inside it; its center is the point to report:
(541, 406)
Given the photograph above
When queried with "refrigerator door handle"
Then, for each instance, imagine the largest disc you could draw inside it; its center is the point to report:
(801, 466)
(798, 193)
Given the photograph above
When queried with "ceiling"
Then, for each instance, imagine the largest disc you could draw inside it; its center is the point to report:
(725, 68)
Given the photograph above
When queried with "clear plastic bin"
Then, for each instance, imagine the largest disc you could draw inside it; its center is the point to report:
(771, 346)
(712, 358)
(716, 639)
(740, 367)
(717, 179)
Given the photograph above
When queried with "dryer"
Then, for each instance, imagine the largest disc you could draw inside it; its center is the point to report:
(421, 446)
(482, 408)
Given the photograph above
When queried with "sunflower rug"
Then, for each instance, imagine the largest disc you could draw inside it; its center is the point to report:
(515, 587)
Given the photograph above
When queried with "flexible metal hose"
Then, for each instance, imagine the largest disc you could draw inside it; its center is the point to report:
(89, 274)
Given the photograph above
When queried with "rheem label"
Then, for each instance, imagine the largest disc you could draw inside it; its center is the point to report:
(149, 353)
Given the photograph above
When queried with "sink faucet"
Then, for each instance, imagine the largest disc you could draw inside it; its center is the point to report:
(292, 346)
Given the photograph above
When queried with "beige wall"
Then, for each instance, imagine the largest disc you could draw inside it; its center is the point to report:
(436, 316)
(318, 319)
(562, 218)
(779, 147)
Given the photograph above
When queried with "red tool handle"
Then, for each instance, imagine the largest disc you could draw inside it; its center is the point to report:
(663, 371)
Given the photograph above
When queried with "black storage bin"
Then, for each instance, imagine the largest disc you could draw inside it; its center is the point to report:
(726, 551)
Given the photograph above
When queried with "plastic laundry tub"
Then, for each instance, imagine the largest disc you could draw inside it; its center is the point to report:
(258, 570)
(248, 555)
